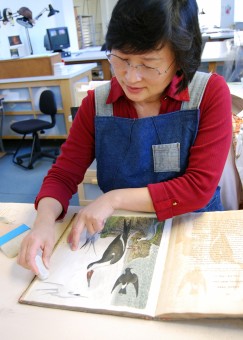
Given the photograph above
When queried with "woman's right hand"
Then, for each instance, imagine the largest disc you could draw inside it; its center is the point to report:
(42, 235)
(39, 238)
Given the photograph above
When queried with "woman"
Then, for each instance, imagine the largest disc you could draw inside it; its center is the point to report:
(160, 134)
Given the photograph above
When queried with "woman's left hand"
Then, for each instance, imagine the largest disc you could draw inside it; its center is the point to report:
(92, 217)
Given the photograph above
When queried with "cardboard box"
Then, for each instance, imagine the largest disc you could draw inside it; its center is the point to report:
(80, 89)
(33, 66)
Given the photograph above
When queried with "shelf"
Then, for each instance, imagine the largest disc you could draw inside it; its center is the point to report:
(21, 102)
(85, 30)
(17, 101)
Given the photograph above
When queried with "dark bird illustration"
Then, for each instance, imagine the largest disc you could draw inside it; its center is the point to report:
(125, 279)
(113, 252)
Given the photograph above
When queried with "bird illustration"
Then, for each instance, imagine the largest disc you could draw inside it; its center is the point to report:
(90, 240)
(152, 230)
(60, 290)
(125, 279)
(113, 252)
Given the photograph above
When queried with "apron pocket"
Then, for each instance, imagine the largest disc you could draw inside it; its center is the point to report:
(166, 157)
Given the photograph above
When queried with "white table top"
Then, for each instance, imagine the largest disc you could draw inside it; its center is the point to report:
(37, 323)
(215, 33)
(86, 55)
(218, 35)
(236, 89)
(68, 72)
(216, 50)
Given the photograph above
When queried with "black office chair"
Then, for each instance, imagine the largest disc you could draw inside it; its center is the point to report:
(47, 105)
(74, 110)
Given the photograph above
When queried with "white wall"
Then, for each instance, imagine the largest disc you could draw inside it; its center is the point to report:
(64, 18)
(106, 9)
(212, 12)
(222, 13)
(238, 11)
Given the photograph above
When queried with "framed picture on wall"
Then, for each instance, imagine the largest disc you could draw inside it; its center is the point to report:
(14, 52)
(14, 40)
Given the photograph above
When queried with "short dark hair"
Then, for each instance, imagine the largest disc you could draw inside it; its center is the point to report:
(138, 26)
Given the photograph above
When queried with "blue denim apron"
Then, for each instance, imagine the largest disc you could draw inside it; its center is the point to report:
(133, 153)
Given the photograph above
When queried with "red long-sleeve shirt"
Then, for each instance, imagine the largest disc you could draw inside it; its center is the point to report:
(184, 194)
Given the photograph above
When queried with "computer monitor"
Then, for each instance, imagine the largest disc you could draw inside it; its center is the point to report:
(56, 39)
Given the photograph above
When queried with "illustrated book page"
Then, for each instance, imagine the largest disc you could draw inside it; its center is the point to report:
(203, 275)
(118, 271)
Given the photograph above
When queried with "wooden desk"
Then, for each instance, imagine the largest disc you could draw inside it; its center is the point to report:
(38, 323)
(90, 56)
(31, 66)
(219, 35)
(215, 53)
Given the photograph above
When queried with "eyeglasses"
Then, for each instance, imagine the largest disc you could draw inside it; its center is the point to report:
(144, 71)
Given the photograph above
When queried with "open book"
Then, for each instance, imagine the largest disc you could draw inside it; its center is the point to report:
(188, 267)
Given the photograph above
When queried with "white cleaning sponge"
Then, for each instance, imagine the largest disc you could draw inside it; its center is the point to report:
(43, 271)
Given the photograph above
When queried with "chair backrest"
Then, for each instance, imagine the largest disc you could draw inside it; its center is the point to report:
(47, 105)
(74, 110)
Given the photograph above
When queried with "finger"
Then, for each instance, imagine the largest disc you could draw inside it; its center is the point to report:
(47, 255)
(23, 258)
(74, 224)
(74, 236)
(98, 225)
(30, 256)
(21, 255)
